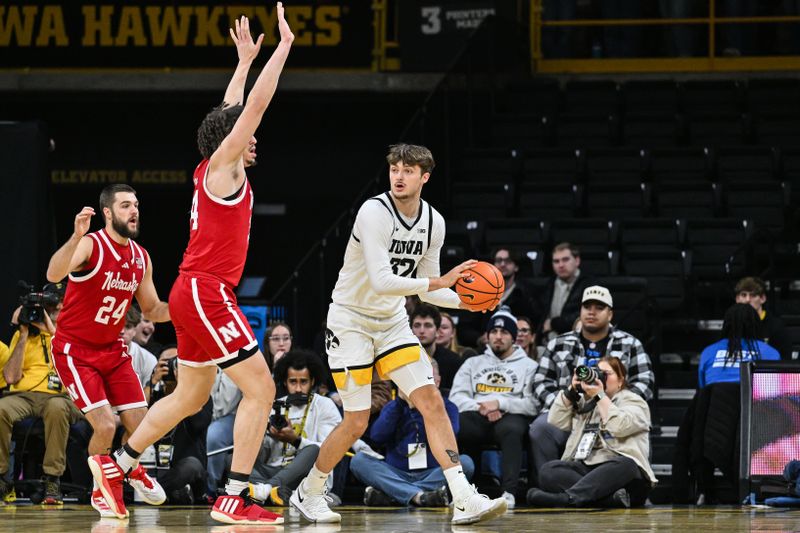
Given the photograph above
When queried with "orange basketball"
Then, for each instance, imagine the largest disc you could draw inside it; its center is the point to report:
(483, 288)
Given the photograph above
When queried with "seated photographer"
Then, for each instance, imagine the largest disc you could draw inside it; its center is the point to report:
(605, 462)
(180, 456)
(494, 395)
(297, 426)
(410, 474)
(596, 338)
(36, 391)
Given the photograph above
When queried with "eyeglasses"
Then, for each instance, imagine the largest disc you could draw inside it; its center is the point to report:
(501, 260)
(281, 338)
(524, 330)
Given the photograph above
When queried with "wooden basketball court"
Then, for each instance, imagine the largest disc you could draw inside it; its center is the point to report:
(37, 519)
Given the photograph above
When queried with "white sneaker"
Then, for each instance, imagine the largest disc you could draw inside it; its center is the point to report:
(260, 492)
(313, 507)
(477, 508)
(510, 500)
(146, 487)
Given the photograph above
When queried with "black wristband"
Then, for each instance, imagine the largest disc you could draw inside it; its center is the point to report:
(572, 395)
(297, 442)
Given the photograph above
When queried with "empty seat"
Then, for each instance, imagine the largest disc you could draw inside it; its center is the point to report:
(592, 97)
(617, 201)
(668, 165)
(549, 202)
(598, 235)
(687, 200)
(538, 96)
(518, 233)
(451, 256)
(762, 202)
(789, 171)
(778, 129)
(580, 130)
(649, 96)
(466, 234)
(716, 246)
(773, 95)
(600, 263)
(481, 200)
(649, 129)
(522, 131)
(488, 165)
(651, 235)
(666, 274)
(631, 304)
(553, 165)
(615, 165)
(716, 96)
(719, 129)
(746, 163)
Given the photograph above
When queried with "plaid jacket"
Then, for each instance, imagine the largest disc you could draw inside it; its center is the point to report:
(565, 352)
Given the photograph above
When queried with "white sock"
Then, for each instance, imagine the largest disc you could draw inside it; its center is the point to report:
(457, 481)
(125, 461)
(260, 491)
(234, 487)
(315, 481)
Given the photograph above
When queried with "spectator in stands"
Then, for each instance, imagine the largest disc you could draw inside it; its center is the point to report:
(516, 295)
(596, 339)
(144, 336)
(425, 322)
(278, 339)
(560, 305)
(35, 390)
(682, 37)
(526, 338)
(494, 396)
(410, 474)
(771, 328)
(605, 462)
(719, 362)
(447, 337)
(142, 360)
(181, 453)
(288, 452)
(225, 398)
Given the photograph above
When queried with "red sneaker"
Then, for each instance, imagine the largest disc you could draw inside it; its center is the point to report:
(109, 477)
(242, 510)
(100, 505)
(147, 487)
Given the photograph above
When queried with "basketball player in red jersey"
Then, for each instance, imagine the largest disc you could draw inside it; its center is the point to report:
(210, 328)
(107, 269)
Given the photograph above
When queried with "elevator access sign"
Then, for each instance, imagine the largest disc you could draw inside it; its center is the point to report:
(158, 34)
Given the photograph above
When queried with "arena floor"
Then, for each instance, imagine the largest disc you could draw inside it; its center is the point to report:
(36, 519)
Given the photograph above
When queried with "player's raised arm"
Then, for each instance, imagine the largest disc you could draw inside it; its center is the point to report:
(247, 51)
(75, 252)
(153, 308)
(230, 151)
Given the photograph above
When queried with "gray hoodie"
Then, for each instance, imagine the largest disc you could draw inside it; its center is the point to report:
(486, 377)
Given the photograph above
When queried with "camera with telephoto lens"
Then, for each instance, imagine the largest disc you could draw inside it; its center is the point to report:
(34, 303)
(589, 374)
(276, 418)
(172, 362)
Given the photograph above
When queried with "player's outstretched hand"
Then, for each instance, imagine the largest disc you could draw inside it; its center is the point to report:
(83, 220)
(245, 47)
(283, 27)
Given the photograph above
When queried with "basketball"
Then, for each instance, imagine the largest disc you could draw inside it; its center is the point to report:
(483, 288)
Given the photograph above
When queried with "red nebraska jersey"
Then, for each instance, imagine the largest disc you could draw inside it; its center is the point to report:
(219, 232)
(98, 297)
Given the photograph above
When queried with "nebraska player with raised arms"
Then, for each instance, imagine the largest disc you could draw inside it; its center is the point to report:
(107, 269)
(210, 328)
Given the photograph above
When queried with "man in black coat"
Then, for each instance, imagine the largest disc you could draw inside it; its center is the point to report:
(560, 303)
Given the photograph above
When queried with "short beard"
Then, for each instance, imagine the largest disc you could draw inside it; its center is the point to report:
(122, 228)
(592, 329)
(498, 352)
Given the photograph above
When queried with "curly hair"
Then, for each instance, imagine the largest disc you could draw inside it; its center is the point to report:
(215, 127)
(300, 359)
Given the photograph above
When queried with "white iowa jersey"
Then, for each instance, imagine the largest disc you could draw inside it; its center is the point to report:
(385, 256)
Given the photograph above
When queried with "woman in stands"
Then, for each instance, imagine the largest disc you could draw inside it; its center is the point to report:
(447, 337)
(526, 338)
(605, 463)
(719, 362)
(278, 338)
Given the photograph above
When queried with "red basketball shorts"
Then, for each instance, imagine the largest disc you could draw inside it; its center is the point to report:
(97, 377)
(209, 326)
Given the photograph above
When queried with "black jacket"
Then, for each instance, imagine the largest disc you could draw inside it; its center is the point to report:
(572, 307)
(773, 331)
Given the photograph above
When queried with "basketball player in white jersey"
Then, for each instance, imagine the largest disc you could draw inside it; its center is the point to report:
(393, 252)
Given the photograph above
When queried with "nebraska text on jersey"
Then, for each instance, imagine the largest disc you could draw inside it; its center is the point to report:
(117, 282)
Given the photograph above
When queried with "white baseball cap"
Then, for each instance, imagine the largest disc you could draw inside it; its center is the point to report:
(598, 294)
